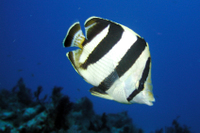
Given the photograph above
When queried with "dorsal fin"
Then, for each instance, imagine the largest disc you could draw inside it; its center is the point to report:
(74, 37)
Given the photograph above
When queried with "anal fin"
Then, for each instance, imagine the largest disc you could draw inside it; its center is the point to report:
(99, 93)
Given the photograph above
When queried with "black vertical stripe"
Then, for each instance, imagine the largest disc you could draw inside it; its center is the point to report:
(125, 63)
(131, 56)
(108, 81)
(71, 33)
(142, 80)
(113, 36)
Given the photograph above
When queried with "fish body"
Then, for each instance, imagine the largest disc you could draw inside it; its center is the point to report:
(112, 58)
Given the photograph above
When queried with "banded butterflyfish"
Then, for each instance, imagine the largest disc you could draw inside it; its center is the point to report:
(112, 58)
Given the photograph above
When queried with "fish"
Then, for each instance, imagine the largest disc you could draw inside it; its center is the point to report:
(114, 59)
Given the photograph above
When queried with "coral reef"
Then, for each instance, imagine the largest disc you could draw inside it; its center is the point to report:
(175, 128)
(24, 112)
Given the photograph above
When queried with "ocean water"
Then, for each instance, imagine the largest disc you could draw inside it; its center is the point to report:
(31, 34)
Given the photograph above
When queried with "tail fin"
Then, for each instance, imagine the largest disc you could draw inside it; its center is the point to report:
(74, 37)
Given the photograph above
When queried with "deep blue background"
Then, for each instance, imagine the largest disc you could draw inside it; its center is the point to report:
(31, 34)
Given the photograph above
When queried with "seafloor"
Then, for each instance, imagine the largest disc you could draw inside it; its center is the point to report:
(21, 111)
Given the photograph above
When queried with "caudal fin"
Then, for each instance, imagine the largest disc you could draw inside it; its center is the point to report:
(74, 37)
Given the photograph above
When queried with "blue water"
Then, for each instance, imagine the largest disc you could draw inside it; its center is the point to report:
(31, 34)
